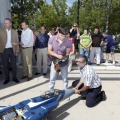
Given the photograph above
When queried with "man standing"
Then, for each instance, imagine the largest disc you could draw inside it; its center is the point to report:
(58, 46)
(110, 43)
(27, 41)
(89, 85)
(9, 47)
(96, 50)
(41, 45)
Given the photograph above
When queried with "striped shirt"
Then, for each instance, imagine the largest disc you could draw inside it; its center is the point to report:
(90, 77)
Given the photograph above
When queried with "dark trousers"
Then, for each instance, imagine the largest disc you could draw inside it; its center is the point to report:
(7, 55)
(93, 96)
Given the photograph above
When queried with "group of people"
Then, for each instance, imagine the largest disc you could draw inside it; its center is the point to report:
(55, 45)
(92, 44)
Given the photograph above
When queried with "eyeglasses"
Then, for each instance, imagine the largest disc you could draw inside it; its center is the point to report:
(79, 61)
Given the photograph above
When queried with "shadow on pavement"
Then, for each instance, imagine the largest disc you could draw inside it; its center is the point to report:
(15, 93)
(60, 112)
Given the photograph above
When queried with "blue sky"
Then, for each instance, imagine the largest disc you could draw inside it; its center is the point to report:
(69, 2)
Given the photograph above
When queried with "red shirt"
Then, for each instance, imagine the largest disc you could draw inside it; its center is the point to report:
(72, 41)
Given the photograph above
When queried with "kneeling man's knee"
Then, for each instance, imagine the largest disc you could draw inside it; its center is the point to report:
(89, 104)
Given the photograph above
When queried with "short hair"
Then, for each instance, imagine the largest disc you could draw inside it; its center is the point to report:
(33, 27)
(8, 20)
(44, 26)
(26, 22)
(63, 30)
(96, 27)
(85, 59)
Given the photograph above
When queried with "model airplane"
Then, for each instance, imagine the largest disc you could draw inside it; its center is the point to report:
(36, 108)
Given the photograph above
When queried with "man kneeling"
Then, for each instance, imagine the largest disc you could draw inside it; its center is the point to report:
(89, 85)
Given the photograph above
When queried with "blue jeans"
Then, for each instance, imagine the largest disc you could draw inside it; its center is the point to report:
(83, 51)
(53, 76)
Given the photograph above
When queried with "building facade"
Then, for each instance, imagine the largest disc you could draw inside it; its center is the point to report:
(5, 11)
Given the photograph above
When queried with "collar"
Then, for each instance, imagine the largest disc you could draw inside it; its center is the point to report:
(58, 40)
(26, 29)
(81, 70)
(8, 30)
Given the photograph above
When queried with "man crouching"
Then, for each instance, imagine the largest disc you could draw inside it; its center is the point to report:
(89, 85)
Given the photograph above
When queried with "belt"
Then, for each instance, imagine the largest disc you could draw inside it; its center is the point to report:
(26, 47)
(8, 48)
(42, 47)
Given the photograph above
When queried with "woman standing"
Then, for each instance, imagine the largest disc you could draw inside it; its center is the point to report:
(85, 43)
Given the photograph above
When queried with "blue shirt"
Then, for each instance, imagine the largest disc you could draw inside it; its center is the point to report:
(110, 41)
(42, 41)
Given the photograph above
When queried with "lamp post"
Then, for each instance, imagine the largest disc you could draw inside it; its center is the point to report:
(21, 10)
(78, 12)
(108, 8)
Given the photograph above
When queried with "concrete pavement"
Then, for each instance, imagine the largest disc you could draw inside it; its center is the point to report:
(75, 108)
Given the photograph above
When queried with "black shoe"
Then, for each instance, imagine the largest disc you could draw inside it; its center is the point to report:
(98, 64)
(89, 63)
(104, 97)
(29, 78)
(44, 74)
(16, 80)
(37, 73)
(0, 72)
(6, 81)
(23, 77)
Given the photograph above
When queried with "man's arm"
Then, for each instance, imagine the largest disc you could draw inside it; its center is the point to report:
(50, 52)
(82, 89)
(79, 84)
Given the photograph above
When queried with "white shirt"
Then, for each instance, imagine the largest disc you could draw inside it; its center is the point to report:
(27, 38)
(90, 77)
(9, 43)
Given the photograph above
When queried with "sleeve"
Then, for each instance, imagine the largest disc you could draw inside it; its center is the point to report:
(69, 45)
(107, 40)
(28, 37)
(50, 42)
(17, 47)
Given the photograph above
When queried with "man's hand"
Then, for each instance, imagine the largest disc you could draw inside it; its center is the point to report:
(77, 91)
(76, 87)
(17, 53)
(21, 43)
(59, 56)
(35, 51)
(15, 43)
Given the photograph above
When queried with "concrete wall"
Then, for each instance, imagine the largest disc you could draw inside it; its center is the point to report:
(5, 11)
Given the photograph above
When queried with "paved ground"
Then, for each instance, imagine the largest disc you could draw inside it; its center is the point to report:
(74, 109)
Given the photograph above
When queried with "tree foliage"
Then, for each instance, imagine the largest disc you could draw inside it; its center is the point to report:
(92, 13)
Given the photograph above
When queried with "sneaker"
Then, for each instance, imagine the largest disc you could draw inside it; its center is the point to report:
(104, 97)
(106, 63)
(113, 63)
